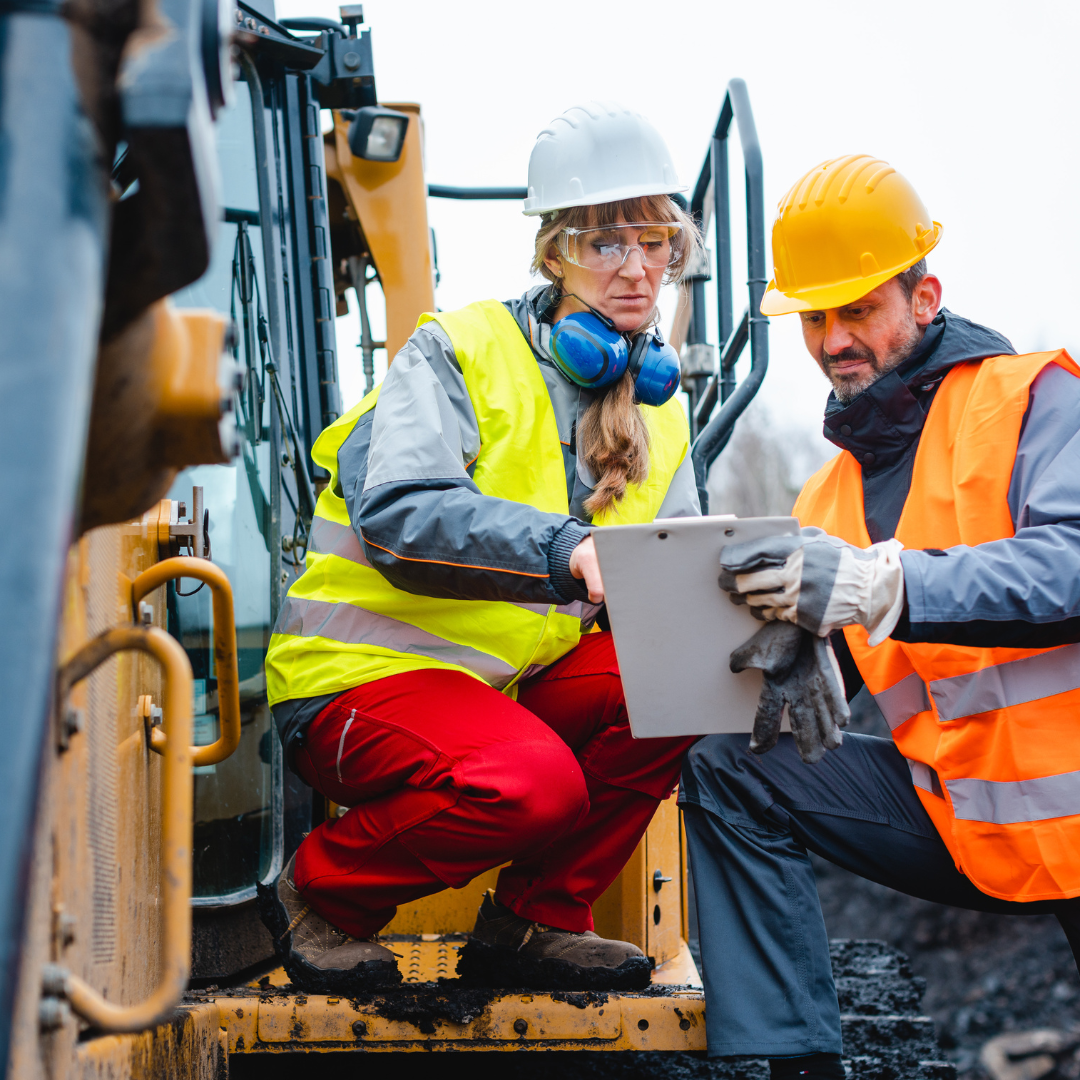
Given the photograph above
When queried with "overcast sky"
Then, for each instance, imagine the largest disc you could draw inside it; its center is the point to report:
(976, 103)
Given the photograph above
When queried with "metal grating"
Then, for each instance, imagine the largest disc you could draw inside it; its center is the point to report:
(101, 735)
(427, 958)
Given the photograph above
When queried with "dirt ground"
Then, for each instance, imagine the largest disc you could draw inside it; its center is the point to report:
(985, 974)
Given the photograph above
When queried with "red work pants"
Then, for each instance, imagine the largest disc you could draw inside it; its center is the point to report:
(447, 778)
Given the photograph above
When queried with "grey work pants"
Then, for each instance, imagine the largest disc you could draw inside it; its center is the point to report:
(750, 822)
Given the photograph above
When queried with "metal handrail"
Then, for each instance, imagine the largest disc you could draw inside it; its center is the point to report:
(176, 834)
(445, 191)
(723, 382)
(228, 679)
(734, 400)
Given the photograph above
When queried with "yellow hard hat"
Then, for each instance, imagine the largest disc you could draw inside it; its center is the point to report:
(845, 227)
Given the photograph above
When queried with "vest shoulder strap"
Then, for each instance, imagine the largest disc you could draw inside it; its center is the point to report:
(520, 455)
(832, 500)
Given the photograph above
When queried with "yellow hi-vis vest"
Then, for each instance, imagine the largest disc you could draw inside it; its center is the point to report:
(343, 624)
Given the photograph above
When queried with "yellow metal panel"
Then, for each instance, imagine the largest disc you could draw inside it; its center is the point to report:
(679, 970)
(390, 201)
(668, 1023)
(452, 911)
(663, 915)
(684, 872)
(620, 912)
(517, 1018)
(304, 1023)
(240, 1020)
(189, 1046)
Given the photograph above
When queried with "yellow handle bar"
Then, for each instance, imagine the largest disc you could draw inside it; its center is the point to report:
(224, 649)
(176, 798)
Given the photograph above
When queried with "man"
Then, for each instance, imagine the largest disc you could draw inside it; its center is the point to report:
(944, 540)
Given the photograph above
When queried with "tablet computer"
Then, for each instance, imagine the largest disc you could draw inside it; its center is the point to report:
(674, 627)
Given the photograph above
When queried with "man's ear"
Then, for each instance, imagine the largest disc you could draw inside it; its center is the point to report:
(926, 300)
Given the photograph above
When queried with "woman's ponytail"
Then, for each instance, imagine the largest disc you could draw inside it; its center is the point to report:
(613, 441)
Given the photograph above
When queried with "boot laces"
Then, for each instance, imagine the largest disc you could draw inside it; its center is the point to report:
(298, 918)
(533, 928)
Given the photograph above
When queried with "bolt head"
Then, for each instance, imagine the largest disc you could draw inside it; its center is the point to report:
(53, 980)
(53, 1013)
(73, 720)
(66, 924)
(351, 60)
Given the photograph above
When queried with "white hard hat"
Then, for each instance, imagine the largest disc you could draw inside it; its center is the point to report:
(598, 153)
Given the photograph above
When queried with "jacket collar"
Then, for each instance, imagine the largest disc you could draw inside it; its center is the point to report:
(529, 310)
(886, 419)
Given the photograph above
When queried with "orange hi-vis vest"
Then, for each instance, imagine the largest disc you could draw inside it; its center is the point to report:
(992, 736)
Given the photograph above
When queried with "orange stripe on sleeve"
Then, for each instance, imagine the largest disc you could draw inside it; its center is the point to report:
(445, 562)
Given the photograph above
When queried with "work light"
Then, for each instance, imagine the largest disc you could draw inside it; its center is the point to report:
(377, 134)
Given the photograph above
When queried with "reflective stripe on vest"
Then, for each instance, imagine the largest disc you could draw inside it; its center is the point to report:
(1012, 683)
(903, 700)
(1004, 802)
(331, 538)
(990, 735)
(343, 624)
(998, 686)
(1008, 802)
(355, 626)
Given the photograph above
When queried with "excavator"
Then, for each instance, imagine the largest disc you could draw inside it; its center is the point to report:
(190, 191)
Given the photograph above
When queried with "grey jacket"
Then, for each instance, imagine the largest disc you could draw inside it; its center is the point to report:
(405, 473)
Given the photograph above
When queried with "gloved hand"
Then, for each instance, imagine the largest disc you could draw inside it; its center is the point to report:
(800, 672)
(818, 581)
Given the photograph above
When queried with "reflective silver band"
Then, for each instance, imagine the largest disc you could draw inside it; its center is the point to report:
(1012, 683)
(353, 625)
(1012, 801)
(903, 700)
(922, 776)
(576, 609)
(330, 538)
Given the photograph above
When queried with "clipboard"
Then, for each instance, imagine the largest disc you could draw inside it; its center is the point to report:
(674, 627)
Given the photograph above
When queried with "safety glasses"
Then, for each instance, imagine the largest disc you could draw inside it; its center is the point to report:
(608, 247)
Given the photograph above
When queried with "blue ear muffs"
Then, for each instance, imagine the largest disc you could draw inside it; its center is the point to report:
(656, 369)
(588, 350)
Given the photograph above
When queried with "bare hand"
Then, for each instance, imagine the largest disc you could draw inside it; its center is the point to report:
(584, 564)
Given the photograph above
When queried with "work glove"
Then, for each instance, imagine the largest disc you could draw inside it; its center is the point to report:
(817, 581)
(800, 672)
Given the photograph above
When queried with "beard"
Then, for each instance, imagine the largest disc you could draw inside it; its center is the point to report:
(848, 387)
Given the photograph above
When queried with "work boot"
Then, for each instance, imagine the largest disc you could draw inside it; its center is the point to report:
(508, 950)
(317, 956)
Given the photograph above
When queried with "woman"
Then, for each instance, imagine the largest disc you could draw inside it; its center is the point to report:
(433, 668)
